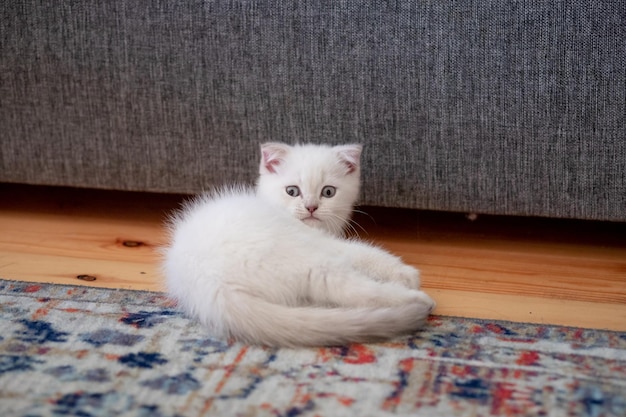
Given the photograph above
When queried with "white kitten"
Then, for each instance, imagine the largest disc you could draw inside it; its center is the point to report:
(270, 267)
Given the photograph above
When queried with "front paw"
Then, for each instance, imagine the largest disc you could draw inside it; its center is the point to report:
(407, 276)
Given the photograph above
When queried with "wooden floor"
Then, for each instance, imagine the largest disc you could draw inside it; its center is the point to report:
(531, 270)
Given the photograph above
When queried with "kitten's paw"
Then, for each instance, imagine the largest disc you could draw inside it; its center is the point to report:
(428, 302)
(407, 276)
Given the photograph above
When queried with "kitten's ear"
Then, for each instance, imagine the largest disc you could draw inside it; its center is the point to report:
(350, 155)
(272, 154)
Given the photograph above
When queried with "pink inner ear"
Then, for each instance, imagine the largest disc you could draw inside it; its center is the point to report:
(350, 155)
(272, 154)
(351, 167)
(270, 163)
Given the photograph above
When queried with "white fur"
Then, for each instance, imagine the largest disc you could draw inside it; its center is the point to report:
(311, 167)
(251, 270)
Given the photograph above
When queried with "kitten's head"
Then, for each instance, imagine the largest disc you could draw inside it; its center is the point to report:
(317, 184)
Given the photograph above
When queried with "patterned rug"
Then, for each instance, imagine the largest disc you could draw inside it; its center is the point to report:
(90, 352)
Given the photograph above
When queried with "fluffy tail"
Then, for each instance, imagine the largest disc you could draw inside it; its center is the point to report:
(253, 320)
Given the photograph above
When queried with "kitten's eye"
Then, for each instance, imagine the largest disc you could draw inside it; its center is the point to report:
(328, 191)
(293, 190)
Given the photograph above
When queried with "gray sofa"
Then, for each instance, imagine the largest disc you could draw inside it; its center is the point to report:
(487, 106)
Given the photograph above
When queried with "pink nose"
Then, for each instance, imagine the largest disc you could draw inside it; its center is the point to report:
(311, 209)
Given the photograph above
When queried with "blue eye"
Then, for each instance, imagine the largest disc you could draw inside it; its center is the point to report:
(328, 191)
(293, 190)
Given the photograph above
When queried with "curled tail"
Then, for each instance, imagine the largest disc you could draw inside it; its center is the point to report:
(251, 319)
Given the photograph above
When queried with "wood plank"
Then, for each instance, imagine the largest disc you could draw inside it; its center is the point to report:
(531, 270)
(61, 269)
(529, 309)
(56, 235)
(534, 257)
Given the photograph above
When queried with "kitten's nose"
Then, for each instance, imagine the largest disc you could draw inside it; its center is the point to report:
(311, 208)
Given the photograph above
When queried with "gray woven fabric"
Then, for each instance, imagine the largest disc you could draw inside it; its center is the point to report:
(487, 106)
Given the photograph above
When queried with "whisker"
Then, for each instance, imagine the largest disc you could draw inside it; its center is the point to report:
(336, 222)
(339, 225)
(360, 227)
(365, 214)
(346, 225)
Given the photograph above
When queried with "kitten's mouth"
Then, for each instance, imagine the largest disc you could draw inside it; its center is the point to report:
(310, 218)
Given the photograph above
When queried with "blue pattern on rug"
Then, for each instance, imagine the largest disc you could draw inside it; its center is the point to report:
(102, 337)
(142, 360)
(92, 352)
(39, 332)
